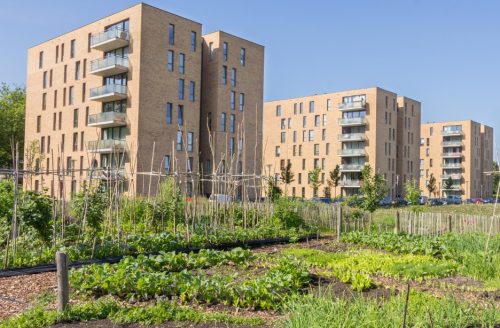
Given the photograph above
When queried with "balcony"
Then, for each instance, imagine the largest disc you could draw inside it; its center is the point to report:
(351, 152)
(352, 121)
(108, 174)
(106, 146)
(451, 155)
(111, 65)
(451, 165)
(453, 176)
(351, 167)
(109, 40)
(457, 143)
(108, 92)
(355, 105)
(352, 137)
(350, 183)
(453, 188)
(107, 120)
(450, 133)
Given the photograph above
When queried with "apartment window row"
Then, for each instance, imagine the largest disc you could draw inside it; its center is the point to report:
(192, 90)
(171, 37)
(233, 76)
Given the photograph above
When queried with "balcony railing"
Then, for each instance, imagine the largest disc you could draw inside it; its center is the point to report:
(107, 119)
(109, 40)
(454, 176)
(352, 121)
(111, 65)
(457, 143)
(109, 174)
(350, 183)
(351, 152)
(452, 132)
(351, 167)
(355, 105)
(453, 188)
(106, 146)
(108, 92)
(451, 154)
(451, 165)
(352, 137)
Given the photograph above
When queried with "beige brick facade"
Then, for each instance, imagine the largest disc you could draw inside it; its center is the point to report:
(348, 129)
(460, 150)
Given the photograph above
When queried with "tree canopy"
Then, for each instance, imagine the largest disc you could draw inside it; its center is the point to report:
(12, 108)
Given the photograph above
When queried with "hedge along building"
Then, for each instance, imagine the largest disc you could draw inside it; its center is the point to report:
(350, 129)
(120, 98)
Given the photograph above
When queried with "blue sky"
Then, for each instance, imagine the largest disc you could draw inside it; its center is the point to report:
(444, 53)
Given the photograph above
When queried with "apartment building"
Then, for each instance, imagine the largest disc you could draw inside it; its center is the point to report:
(232, 102)
(120, 98)
(456, 154)
(350, 129)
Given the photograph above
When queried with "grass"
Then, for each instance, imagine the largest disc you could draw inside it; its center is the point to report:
(423, 311)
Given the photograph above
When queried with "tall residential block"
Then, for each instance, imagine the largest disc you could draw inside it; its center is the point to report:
(232, 102)
(120, 99)
(457, 154)
(350, 129)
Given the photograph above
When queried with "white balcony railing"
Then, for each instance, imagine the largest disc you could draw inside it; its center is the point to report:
(106, 146)
(107, 119)
(352, 137)
(351, 152)
(451, 165)
(451, 154)
(351, 167)
(355, 105)
(457, 143)
(108, 92)
(352, 121)
(452, 132)
(453, 176)
(110, 65)
(350, 183)
(110, 39)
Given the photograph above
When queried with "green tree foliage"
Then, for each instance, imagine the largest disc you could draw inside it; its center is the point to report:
(412, 192)
(287, 175)
(314, 181)
(333, 179)
(12, 105)
(273, 191)
(35, 211)
(90, 205)
(431, 186)
(373, 189)
(448, 184)
(169, 202)
(496, 178)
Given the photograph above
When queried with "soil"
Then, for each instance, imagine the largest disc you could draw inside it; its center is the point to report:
(168, 324)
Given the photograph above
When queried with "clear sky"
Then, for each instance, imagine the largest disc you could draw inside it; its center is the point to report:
(445, 53)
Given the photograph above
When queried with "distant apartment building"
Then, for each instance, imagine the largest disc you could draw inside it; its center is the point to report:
(121, 99)
(457, 154)
(350, 129)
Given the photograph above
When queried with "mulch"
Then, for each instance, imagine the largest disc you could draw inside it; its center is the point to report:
(168, 324)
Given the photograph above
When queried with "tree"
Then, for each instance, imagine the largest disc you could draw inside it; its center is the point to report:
(36, 212)
(431, 186)
(327, 191)
(448, 184)
(273, 191)
(373, 188)
(496, 178)
(333, 179)
(12, 105)
(314, 181)
(412, 192)
(287, 176)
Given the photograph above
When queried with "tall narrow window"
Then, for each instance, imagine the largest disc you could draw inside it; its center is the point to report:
(190, 141)
(191, 91)
(225, 51)
(55, 98)
(45, 79)
(171, 34)
(65, 78)
(166, 163)
(75, 141)
(182, 62)
(71, 95)
(57, 54)
(84, 73)
(193, 41)
(40, 59)
(181, 89)
(311, 107)
(233, 77)
(84, 89)
(242, 56)
(82, 138)
(209, 120)
(62, 52)
(278, 110)
(223, 122)
(179, 145)
(60, 120)
(231, 146)
(170, 61)
(38, 123)
(77, 70)
(75, 118)
(168, 114)
(242, 102)
(232, 123)
(233, 100)
(224, 74)
(50, 78)
(44, 101)
(180, 115)
(73, 49)
(211, 50)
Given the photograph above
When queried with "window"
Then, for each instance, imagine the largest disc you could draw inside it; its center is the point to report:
(166, 163)
(300, 150)
(323, 134)
(316, 149)
(38, 123)
(84, 88)
(191, 91)
(42, 144)
(171, 34)
(232, 123)
(190, 141)
(72, 49)
(168, 114)
(40, 59)
(283, 137)
(242, 56)
(44, 101)
(231, 146)
(277, 151)
(223, 122)
(75, 118)
(431, 131)
(300, 178)
(62, 52)
(242, 102)
(304, 121)
(283, 123)
(324, 119)
(75, 141)
(289, 123)
(300, 108)
(180, 115)
(182, 62)
(311, 135)
(193, 41)
(54, 122)
(181, 89)
(209, 120)
(179, 144)
(327, 149)
(87, 116)
(50, 78)
(77, 70)
(430, 162)
(81, 140)
(57, 54)
(328, 105)
(278, 110)
(225, 51)
(211, 50)
(65, 78)
(233, 77)
(294, 150)
(316, 120)
(311, 107)
(232, 101)
(294, 136)
(64, 97)
(170, 61)
(71, 96)
(45, 79)
(304, 135)
(224, 75)
(303, 163)
(84, 67)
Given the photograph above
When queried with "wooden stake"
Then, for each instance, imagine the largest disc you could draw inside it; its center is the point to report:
(62, 281)
(339, 222)
(397, 223)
